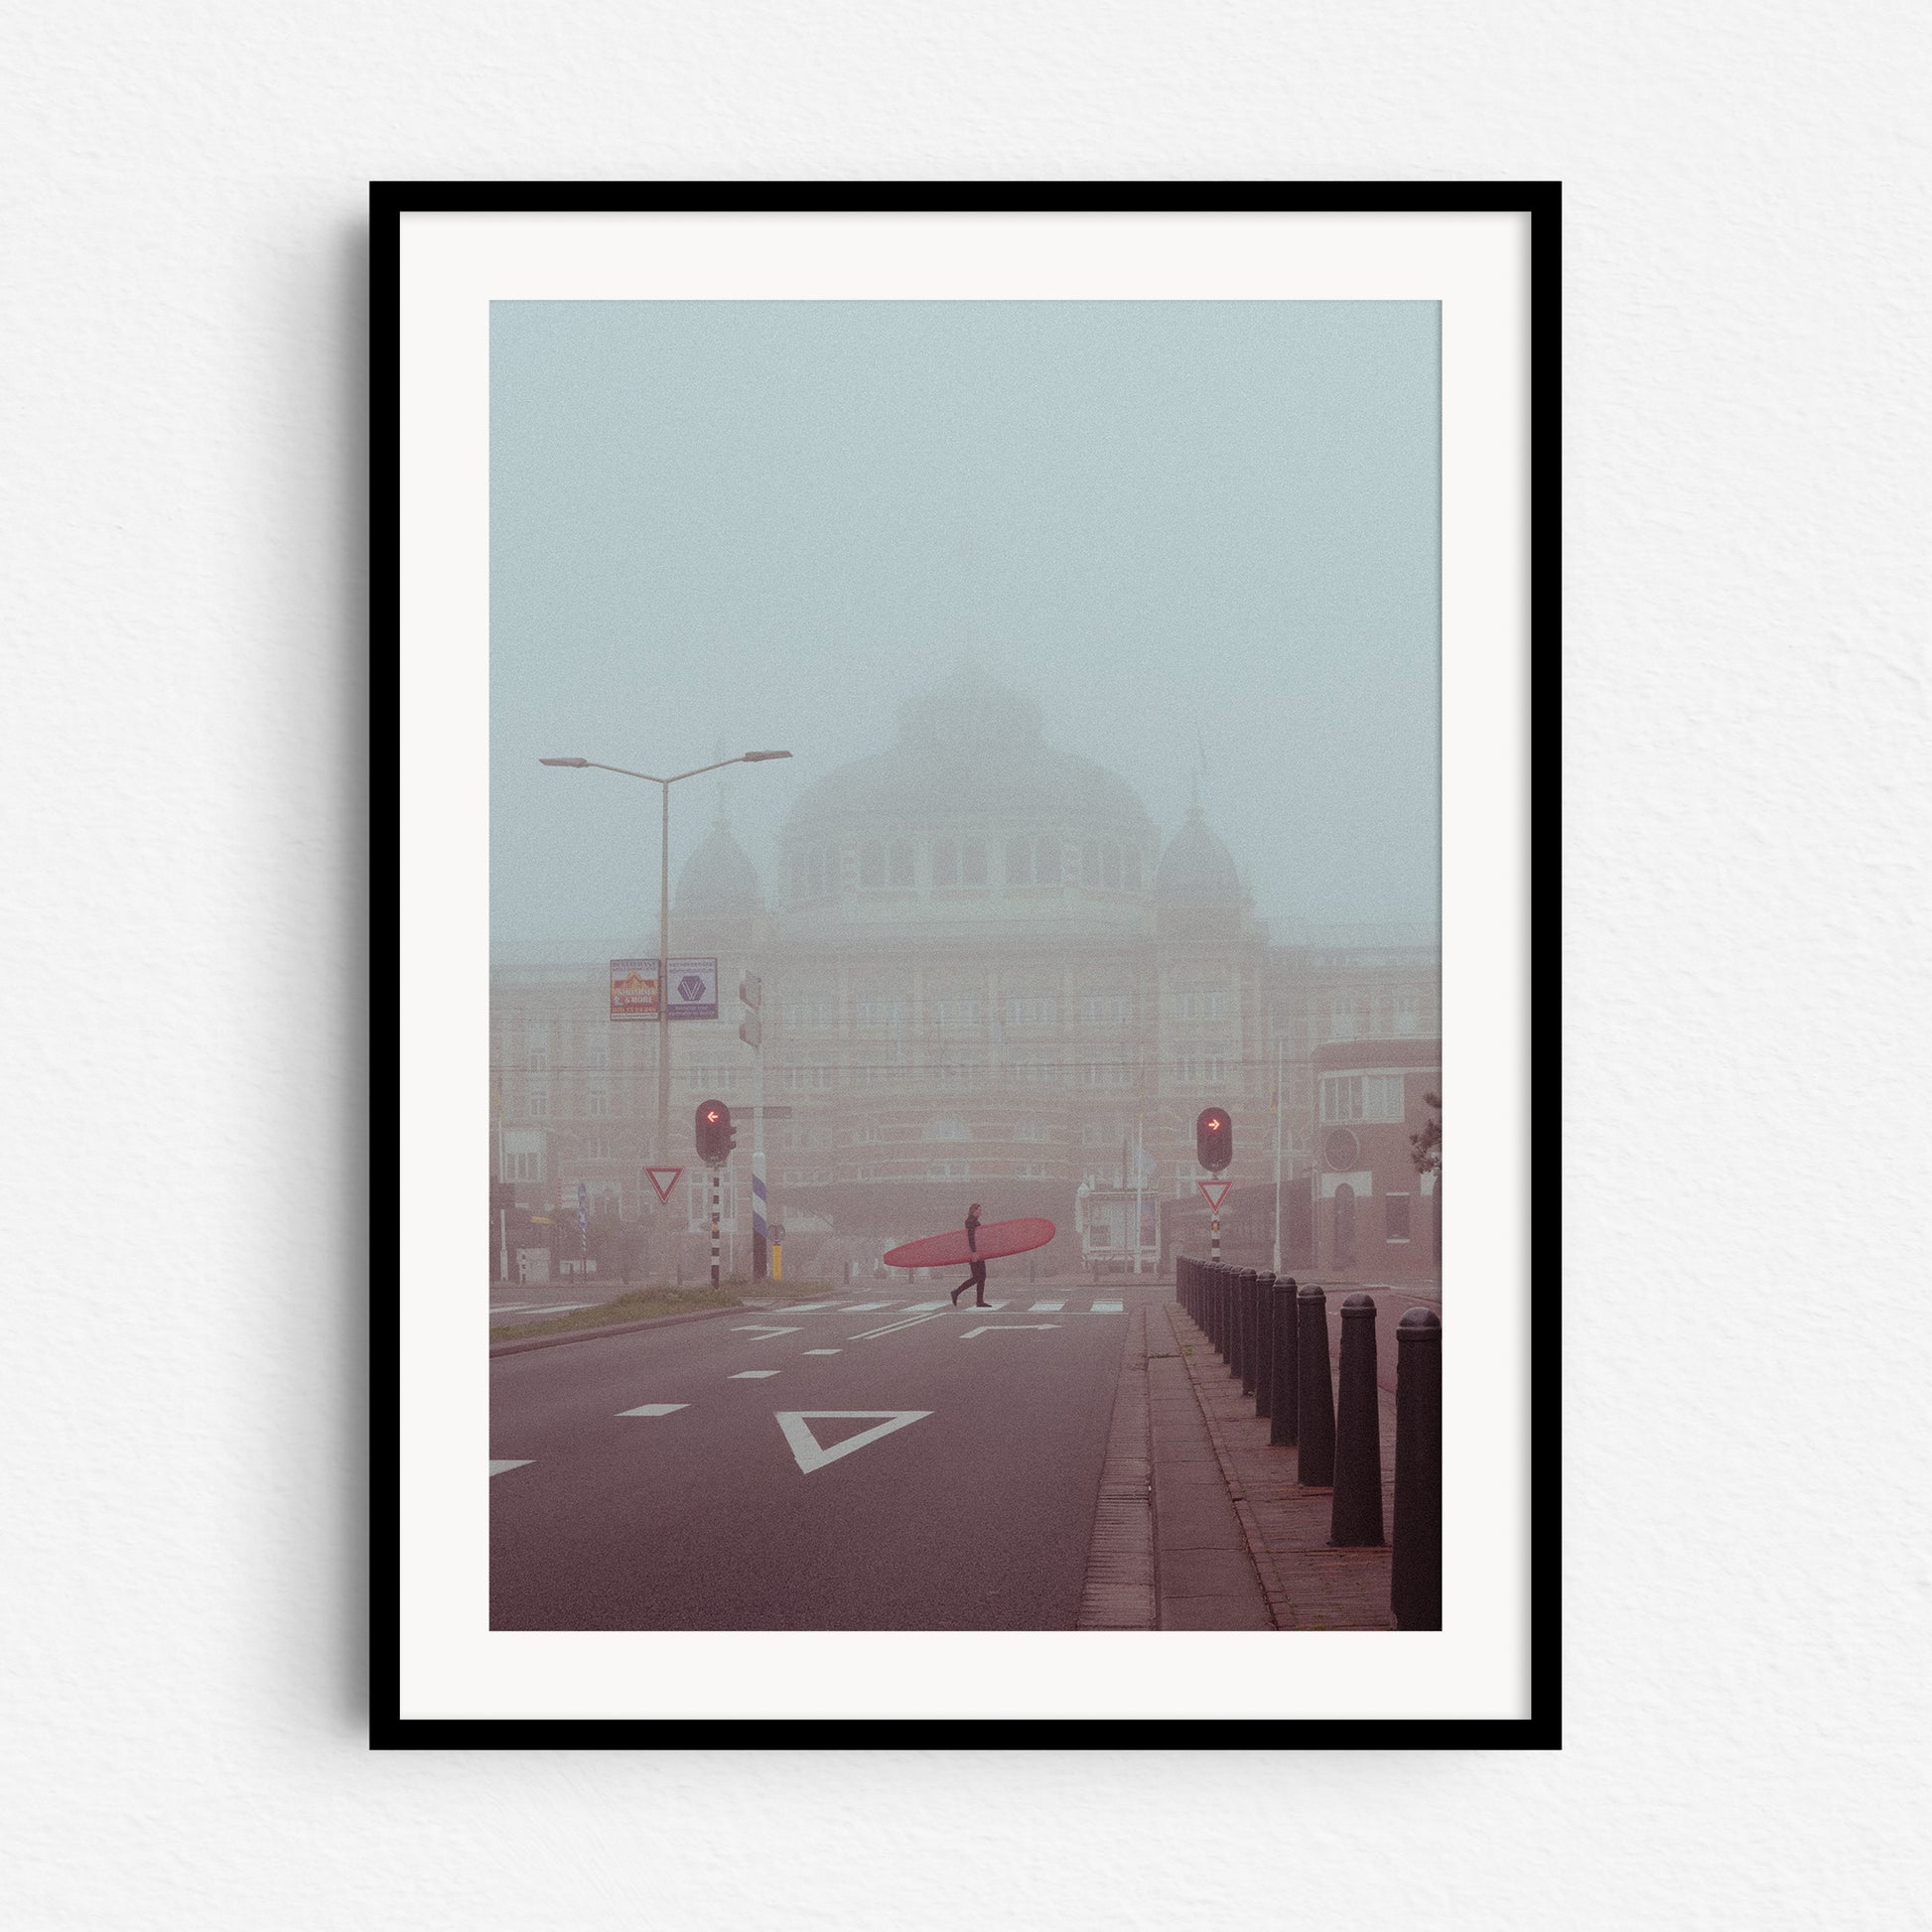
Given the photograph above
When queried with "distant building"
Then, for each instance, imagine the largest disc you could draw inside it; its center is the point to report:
(986, 977)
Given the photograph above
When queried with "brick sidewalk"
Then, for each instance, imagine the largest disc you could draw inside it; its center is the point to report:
(1284, 1527)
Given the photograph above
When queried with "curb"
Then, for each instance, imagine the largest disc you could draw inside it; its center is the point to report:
(618, 1328)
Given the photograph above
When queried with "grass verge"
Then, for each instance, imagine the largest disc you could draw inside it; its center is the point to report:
(645, 1304)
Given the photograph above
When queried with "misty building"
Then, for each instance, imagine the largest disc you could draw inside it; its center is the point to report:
(987, 976)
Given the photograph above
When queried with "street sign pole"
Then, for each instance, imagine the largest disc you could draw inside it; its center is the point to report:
(750, 990)
(666, 1234)
(714, 1227)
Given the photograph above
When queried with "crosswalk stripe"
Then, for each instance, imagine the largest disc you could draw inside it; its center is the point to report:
(1108, 1307)
(1047, 1308)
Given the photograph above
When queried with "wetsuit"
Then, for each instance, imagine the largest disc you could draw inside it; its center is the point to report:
(976, 1281)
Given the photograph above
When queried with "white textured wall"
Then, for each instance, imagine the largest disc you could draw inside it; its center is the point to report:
(1748, 399)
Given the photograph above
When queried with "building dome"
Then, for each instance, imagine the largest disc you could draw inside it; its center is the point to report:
(1196, 866)
(970, 816)
(718, 879)
(972, 750)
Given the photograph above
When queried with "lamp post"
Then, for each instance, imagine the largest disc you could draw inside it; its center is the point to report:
(664, 914)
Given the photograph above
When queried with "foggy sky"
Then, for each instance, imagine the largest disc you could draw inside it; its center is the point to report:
(718, 528)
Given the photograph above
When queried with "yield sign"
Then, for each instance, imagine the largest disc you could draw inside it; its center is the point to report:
(1215, 1190)
(663, 1180)
(805, 1447)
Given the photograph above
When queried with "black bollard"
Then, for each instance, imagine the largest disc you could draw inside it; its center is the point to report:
(1416, 1563)
(1264, 1343)
(1220, 1309)
(1316, 1464)
(1355, 1521)
(1281, 1429)
(1250, 1326)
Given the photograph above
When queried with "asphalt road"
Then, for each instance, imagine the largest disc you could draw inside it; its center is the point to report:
(970, 1508)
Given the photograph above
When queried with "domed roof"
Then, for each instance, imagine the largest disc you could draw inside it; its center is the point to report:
(718, 877)
(971, 749)
(1196, 864)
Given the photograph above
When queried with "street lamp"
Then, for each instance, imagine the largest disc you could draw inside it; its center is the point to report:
(664, 915)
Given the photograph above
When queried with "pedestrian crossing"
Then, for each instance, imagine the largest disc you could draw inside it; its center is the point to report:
(1099, 1307)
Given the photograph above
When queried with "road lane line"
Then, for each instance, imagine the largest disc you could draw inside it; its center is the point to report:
(1108, 1307)
(762, 1329)
(1047, 1308)
(751, 1375)
(892, 1327)
(822, 1351)
(866, 1307)
(1006, 1329)
(497, 1468)
(655, 1409)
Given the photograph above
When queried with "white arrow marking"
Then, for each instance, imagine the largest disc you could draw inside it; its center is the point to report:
(762, 1330)
(805, 1449)
(1006, 1329)
(497, 1468)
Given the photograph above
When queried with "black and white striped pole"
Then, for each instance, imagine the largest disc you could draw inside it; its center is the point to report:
(714, 1227)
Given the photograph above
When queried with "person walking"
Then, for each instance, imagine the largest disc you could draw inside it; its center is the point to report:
(976, 1281)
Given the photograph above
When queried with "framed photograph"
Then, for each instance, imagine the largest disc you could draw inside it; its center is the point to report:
(967, 831)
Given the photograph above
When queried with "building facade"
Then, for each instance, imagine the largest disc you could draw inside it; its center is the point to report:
(986, 976)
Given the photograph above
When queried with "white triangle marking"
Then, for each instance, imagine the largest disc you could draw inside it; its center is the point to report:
(805, 1447)
(497, 1468)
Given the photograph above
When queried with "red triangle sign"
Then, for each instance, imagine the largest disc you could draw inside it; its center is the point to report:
(663, 1180)
(1215, 1190)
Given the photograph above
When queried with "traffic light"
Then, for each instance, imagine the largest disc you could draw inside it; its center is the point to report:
(1213, 1138)
(715, 1134)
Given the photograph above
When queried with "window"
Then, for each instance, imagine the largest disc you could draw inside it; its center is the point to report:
(1106, 1073)
(539, 1103)
(871, 1134)
(814, 1078)
(522, 1154)
(1046, 862)
(1407, 1013)
(601, 1147)
(1020, 862)
(1131, 867)
(596, 1100)
(808, 1010)
(1032, 1073)
(1204, 1000)
(1110, 862)
(880, 1010)
(1103, 1133)
(1033, 1009)
(1201, 1069)
(972, 861)
(596, 1052)
(871, 864)
(947, 1130)
(956, 1012)
(1395, 1217)
(1033, 1170)
(1098, 1177)
(537, 1054)
(946, 863)
(1029, 1130)
(948, 1171)
(901, 864)
(1106, 1009)
(1343, 1020)
(1090, 863)
(952, 1073)
(1363, 1096)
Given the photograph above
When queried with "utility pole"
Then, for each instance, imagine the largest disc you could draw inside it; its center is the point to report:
(1279, 1041)
(750, 990)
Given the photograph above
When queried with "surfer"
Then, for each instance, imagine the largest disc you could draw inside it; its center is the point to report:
(976, 1281)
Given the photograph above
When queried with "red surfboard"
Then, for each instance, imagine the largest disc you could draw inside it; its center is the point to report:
(996, 1238)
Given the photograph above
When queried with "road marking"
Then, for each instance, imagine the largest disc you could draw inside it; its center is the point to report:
(655, 1409)
(751, 1375)
(497, 1468)
(762, 1330)
(866, 1307)
(1047, 1308)
(892, 1327)
(1109, 1307)
(539, 1308)
(1006, 1329)
(822, 1351)
(804, 1445)
(810, 1307)
(911, 1305)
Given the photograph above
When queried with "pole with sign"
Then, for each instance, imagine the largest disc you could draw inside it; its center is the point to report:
(751, 991)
